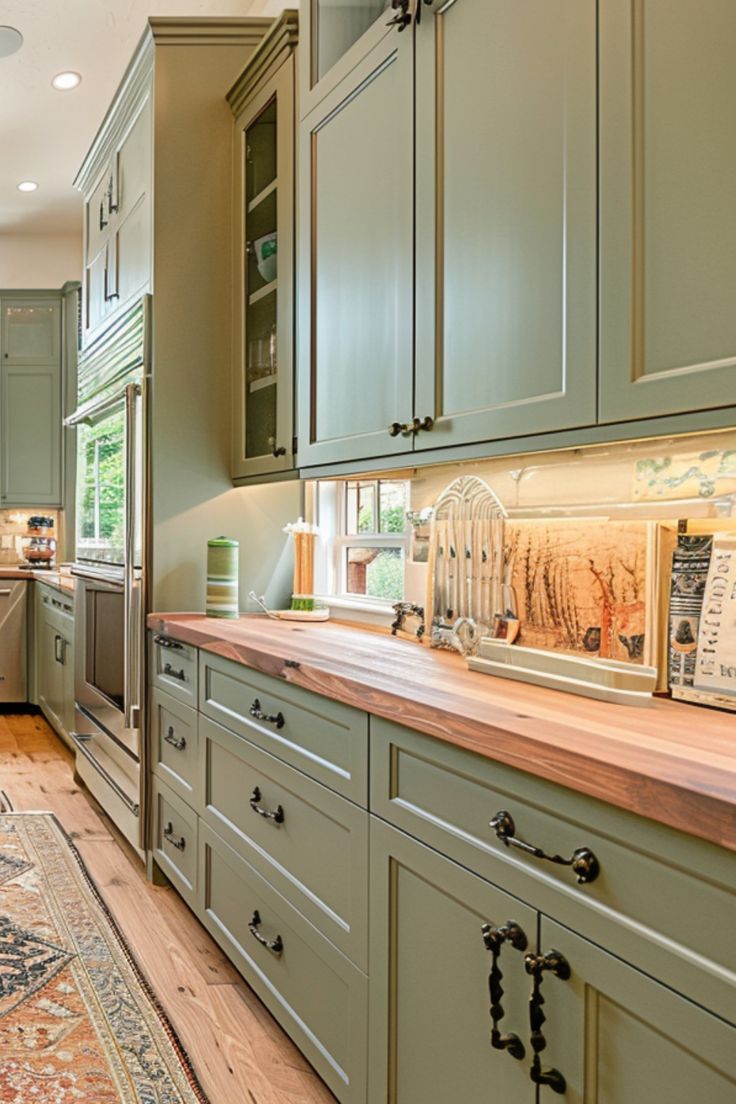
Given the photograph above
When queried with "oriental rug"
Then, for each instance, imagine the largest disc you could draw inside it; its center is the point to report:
(78, 1023)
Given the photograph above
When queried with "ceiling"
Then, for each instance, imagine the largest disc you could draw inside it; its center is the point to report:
(44, 134)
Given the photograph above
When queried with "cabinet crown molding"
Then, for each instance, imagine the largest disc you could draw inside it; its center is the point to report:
(274, 48)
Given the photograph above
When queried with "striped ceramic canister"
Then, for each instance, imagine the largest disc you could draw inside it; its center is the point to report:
(222, 578)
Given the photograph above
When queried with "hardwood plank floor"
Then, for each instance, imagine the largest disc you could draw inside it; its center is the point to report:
(240, 1053)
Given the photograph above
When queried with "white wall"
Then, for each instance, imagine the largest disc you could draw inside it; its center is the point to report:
(40, 260)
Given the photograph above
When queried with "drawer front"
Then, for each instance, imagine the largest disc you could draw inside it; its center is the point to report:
(174, 745)
(311, 844)
(662, 900)
(318, 996)
(323, 738)
(175, 839)
(174, 668)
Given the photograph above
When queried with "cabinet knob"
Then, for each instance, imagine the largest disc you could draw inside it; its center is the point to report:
(402, 19)
(422, 425)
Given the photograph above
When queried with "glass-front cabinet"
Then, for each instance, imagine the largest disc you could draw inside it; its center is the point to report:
(339, 33)
(263, 433)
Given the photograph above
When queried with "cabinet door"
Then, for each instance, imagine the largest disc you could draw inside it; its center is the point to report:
(667, 206)
(51, 673)
(31, 332)
(619, 1037)
(356, 263)
(430, 1026)
(506, 218)
(30, 431)
(97, 215)
(337, 37)
(263, 369)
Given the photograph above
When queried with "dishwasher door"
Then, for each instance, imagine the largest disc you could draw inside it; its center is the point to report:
(13, 661)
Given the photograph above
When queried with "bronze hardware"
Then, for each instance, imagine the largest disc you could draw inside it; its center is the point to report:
(173, 673)
(176, 841)
(272, 718)
(164, 642)
(280, 451)
(255, 798)
(535, 965)
(275, 946)
(420, 425)
(402, 19)
(111, 207)
(103, 220)
(584, 864)
(176, 742)
(397, 428)
(494, 939)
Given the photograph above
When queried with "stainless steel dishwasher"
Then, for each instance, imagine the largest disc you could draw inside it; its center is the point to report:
(13, 635)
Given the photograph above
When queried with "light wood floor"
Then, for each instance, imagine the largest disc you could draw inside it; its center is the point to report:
(240, 1053)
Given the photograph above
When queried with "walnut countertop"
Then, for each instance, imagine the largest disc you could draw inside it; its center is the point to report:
(670, 762)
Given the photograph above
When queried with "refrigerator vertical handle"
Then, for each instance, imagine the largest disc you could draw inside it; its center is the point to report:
(132, 611)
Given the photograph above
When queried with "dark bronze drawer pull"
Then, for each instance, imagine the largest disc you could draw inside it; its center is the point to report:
(275, 946)
(255, 798)
(403, 17)
(584, 864)
(173, 673)
(494, 939)
(272, 718)
(176, 841)
(164, 642)
(535, 965)
(178, 742)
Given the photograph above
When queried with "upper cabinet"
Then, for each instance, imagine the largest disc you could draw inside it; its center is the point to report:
(505, 218)
(31, 385)
(263, 101)
(668, 206)
(516, 220)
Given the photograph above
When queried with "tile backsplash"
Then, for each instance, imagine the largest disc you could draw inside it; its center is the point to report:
(13, 526)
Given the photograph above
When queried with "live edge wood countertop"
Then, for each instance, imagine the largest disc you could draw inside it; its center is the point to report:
(671, 762)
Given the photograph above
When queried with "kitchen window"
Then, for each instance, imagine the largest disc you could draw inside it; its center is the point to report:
(364, 538)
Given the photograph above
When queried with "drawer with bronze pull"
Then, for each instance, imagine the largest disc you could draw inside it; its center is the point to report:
(174, 668)
(315, 992)
(635, 879)
(325, 739)
(175, 839)
(174, 744)
(308, 842)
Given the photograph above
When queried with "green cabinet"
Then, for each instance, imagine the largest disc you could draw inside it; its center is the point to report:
(337, 37)
(356, 261)
(54, 654)
(667, 208)
(30, 399)
(263, 101)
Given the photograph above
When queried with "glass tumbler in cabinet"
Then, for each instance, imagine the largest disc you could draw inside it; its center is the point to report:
(263, 443)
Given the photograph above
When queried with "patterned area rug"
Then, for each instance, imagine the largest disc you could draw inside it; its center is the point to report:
(78, 1023)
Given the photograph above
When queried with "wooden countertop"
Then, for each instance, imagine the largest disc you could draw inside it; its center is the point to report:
(58, 579)
(670, 762)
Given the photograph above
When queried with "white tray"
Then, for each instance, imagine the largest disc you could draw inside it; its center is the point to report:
(322, 614)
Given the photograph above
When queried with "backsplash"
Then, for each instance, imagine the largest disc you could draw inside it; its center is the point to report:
(13, 525)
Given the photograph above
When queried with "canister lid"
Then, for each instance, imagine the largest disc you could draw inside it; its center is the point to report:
(222, 542)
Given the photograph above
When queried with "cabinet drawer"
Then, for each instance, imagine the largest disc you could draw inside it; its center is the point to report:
(309, 843)
(642, 905)
(323, 738)
(318, 996)
(174, 668)
(174, 744)
(175, 839)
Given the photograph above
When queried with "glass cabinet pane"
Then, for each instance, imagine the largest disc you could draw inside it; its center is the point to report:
(336, 25)
(261, 214)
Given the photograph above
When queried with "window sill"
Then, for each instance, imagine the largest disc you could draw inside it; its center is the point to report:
(348, 609)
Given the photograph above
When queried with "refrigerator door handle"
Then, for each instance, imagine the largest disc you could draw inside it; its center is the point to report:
(132, 596)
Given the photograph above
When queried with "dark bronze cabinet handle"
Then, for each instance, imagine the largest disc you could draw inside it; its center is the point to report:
(494, 939)
(584, 864)
(536, 965)
(173, 673)
(272, 718)
(397, 428)
(164, 642)
(276, 816)
(103, 220)
(275, 946)
(402, 19)
(278, 451)
(176, 841)
(176, 742)
(422, 425)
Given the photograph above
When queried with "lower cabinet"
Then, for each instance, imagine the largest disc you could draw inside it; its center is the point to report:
(54, 629)
(452, 1020)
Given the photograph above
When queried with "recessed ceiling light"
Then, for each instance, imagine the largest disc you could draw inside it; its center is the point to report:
(27, 186)
(67, 80)
(10, 41)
